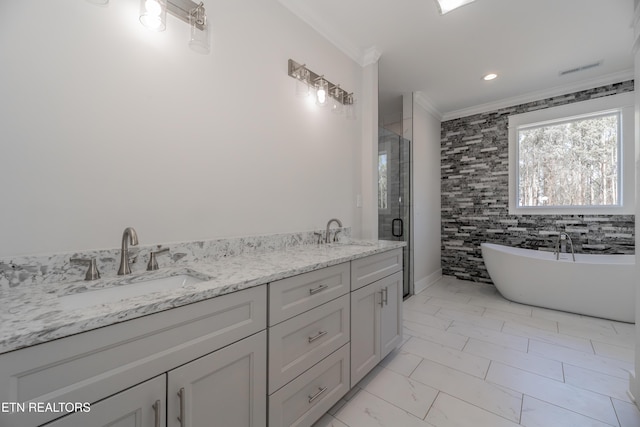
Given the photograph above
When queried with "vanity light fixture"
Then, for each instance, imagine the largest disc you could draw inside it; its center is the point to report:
(490, 76)
(446, 6)
(153, 15)
(321, 92)
(327, 93)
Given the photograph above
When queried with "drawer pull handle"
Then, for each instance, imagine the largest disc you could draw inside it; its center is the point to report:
(318, 289)
(181, 417)
(315, 396)
(156, 411)
(381, 297)
(318, 335)
(385, 295)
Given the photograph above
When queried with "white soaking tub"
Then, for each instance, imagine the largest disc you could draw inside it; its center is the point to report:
(595, 285)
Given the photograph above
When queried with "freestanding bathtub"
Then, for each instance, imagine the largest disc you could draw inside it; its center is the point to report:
(595, 285)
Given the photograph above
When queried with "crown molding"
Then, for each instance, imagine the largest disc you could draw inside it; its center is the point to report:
(542, 94)
(423, 100)
(371, 56)
(332, 34)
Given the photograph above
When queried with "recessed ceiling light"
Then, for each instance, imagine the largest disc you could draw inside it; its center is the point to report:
(448, 5)
(490, 76)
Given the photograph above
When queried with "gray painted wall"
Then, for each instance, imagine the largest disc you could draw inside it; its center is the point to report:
(475, 195)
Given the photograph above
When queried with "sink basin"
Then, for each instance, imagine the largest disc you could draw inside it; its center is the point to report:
(93, 297)
(363, 243)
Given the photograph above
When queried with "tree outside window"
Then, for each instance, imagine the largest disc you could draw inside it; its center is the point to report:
(573, 163)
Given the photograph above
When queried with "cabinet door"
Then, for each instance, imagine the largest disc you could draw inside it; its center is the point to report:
(365, 330)
(139, 406)
(227, 388)
(390, 313)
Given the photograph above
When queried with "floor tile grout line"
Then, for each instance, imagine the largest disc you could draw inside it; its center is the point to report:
(571, 410)
(550, 403)
(431, 406)
(615, 411)
(595, 356)
(393, 404)
(521, 409)
(594, 371)
(468, 403)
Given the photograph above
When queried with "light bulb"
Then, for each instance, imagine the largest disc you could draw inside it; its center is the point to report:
(322, 96)
(321, 93)
(153, 14)
(153, 7)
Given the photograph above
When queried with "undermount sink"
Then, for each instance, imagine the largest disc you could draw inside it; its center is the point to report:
(91, 297)
(352, 243)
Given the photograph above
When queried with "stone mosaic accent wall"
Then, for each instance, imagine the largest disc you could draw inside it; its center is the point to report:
(475, 195)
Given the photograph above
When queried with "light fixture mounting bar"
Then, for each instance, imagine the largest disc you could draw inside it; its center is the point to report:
(311, 78)
(181, 9)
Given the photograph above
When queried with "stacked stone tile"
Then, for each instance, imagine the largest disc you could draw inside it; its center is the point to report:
(475, 195)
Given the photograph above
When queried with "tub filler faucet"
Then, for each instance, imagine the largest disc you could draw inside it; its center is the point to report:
(561, 245)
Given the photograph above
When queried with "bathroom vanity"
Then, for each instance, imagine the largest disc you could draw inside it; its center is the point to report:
(324, 316)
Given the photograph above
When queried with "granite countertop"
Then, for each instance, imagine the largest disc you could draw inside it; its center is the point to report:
(36, 314)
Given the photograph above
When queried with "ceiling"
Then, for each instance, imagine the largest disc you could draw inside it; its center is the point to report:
(443, 57)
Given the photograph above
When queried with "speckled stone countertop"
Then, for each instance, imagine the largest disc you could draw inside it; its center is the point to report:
(36, 314)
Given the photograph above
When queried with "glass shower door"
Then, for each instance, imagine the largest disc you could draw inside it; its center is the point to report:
(394, 191)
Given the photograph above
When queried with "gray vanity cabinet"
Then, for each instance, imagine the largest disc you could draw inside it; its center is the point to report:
(224, 388)
(215, 349)
(376, 311)
(139, 406)
(309, 333)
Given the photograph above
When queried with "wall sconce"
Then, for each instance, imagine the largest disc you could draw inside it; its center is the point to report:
(153, 16)
(327, 93)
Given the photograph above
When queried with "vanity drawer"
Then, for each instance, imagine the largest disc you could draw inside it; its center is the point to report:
(294, 295)
(367, 270)
(299, 343)
(90, 366)
(305, 399)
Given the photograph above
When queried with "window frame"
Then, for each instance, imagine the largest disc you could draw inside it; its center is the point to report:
(622, 103)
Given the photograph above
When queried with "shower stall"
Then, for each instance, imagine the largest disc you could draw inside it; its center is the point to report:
(394, 195)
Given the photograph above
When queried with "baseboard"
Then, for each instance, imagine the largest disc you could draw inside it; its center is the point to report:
(423, 284)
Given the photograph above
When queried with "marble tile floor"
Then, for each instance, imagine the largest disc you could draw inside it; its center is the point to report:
(472, 358)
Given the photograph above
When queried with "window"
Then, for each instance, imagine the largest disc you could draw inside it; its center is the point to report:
(382, 180)
(577, 158)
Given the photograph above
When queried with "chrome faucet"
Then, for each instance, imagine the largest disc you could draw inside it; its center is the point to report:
(327, 236)
(129, 236)
(562, 237)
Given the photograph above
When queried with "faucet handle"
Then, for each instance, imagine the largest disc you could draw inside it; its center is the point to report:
(92, 271)
(319, 237)
(153, 262)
